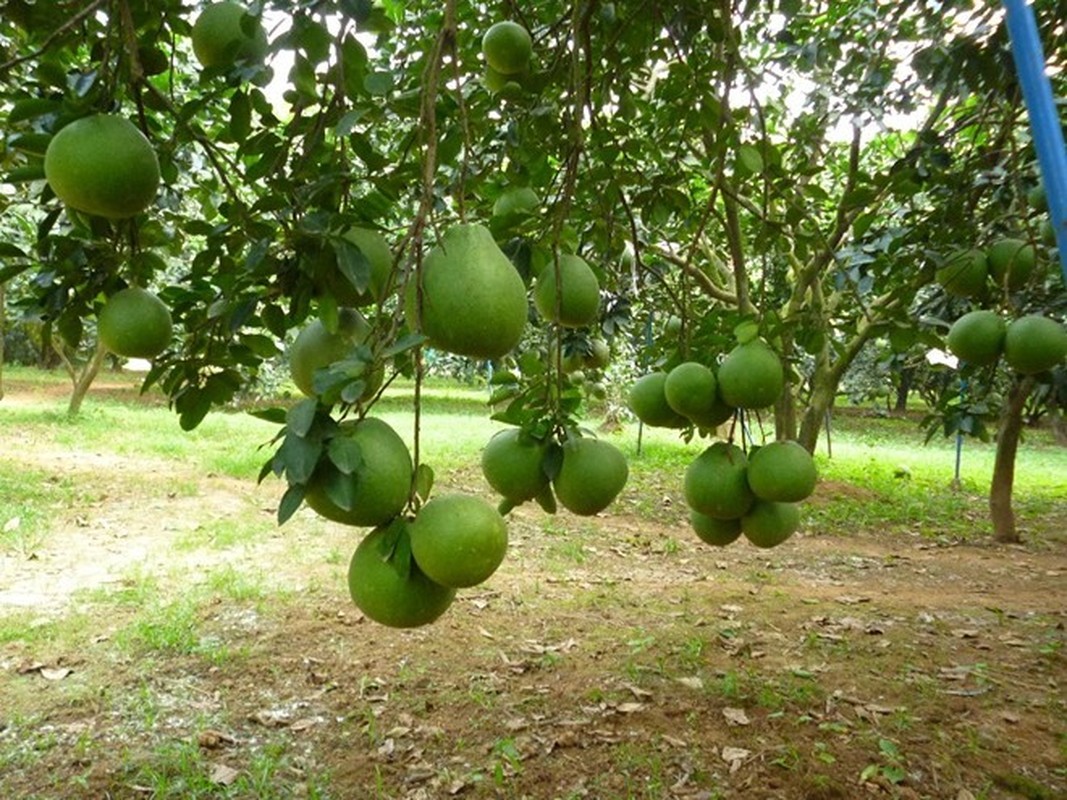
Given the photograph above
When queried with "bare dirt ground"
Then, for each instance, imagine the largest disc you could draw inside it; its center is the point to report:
(615, 657)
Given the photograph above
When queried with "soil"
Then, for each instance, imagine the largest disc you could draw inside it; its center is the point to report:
(609, 657)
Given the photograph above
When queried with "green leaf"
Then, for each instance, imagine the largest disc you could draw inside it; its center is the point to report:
(290, 501)
(424, 477)
(301, 417)
(407, 342)
(240, 116)
(749, 159)
(379, 84)
(352, 263)
(192, 406)
(299, 456)
(345, 453)
(262, 346)
(275, 415)
(339, 487)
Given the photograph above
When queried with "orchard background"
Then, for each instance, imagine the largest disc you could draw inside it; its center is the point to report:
(800, 173)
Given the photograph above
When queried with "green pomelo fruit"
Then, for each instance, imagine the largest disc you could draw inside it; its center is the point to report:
(520, 201)
(751, 376)
(719, 532)
(1011, 261)
(580, 295)
(768, 524)
(716, 482)
(377, 489)
(649, 403)
(1034, 343)
(386, 595)
(977, 337)
(315, 347)
(507, 47)
(134, 323)
(599, 355)
(591, 475)
(782, 472)
(379, 257)
(458, 540)
(673, 326)
(473, 299)
(512, 464)
(225, 33)
(102, 165)
(964, 274)
(692, 391)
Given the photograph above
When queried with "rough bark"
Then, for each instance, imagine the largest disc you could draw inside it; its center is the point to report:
(1000, 490)
(3, 333)
(907, 376)
(84, 378)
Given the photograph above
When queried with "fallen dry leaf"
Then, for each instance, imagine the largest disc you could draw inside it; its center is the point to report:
(691, 682)
(55, 673)
(736, 716)
(223, 775)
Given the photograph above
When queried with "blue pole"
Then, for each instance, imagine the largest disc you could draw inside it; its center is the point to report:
(1047, 130)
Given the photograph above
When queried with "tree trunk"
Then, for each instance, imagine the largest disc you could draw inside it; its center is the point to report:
(907, 375)
(1000, 490)
(823, 390)
(85, 378)
(3, 333)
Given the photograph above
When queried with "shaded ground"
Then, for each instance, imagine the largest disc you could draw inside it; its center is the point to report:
(150, 646)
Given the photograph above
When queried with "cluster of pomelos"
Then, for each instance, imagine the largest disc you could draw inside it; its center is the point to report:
(730, 492)
(103, 165)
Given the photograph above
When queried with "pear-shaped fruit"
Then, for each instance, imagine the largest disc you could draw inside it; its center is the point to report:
(393, 594)
(692, 390)
(591, 475)
(648, 401)
(1011, 262)
(768, 524)
(315, 347)
(977, 337)
(458, 540)
(781, 471)
(376, 489)
(751, 376)
(1035, 343)
(964, 273)
(473, 299)
(512, 463)
(718, 532)
(579, 299)
(716, 482)
(134, 323)
(102, 165)
(507, 47)
(220, 36)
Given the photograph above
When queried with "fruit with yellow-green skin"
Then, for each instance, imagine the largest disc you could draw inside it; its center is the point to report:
(964, 273)
(507, 47)
(316, 347)
(385, 591)
(692, 391)
(768, 524)
(578, 299)
(513, 464)
(135, 323)
(458, 540)
(648, 401)
(977, 337)
(376, 490)
(102, 165)
(1011, 262)
(473, 301)
(225, 33)
(1034, 343)
(517, 201)
(782, 471)
(751, 376)
(717, 532)
(716, 482)
(591, 475)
